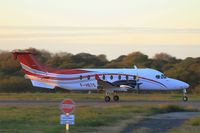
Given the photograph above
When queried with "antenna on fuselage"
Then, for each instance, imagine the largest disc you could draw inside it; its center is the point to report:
(137, 80)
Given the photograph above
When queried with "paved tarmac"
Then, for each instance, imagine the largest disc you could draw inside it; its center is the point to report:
(194, 104)
(160, 123)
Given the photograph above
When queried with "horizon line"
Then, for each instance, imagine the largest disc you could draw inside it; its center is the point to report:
(105, 28)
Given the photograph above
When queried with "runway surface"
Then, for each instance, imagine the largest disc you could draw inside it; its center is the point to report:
(160, 123)
(194, 104)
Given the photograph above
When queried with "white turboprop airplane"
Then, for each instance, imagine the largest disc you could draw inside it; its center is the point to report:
(109, 80)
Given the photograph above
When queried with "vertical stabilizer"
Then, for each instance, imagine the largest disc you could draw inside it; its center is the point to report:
(27, 59)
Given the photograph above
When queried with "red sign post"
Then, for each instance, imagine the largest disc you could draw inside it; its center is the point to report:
(67, 106)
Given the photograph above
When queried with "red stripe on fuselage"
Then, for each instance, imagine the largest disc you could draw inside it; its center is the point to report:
(48, 77)
(64, 71)
(58, 71)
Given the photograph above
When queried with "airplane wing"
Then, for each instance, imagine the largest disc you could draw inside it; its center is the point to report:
(121, 85)
(107, 86)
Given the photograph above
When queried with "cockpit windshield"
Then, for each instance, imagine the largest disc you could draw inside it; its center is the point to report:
(163, 76)
(160, 76)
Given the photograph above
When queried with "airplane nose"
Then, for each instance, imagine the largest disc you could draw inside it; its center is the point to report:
(184, 85)
(177, 84)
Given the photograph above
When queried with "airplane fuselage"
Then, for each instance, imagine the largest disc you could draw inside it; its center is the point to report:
(149, 79)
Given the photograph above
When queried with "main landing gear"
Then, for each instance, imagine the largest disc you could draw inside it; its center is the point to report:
(115, 98)
(185, 98)
(107, 98)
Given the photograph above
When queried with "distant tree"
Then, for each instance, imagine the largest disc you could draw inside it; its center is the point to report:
(88, 60)
(7, 64)
(14, 84)
(102, 58)
(116, 63)
(61, 60)
(164, 57)
(41, 55)
(135, 58)
(163, 61)
(187, 70)
(197, 89)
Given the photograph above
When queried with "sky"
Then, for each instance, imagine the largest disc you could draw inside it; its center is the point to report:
(111, 27)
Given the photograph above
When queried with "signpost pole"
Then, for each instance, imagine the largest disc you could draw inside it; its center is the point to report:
(67, 125)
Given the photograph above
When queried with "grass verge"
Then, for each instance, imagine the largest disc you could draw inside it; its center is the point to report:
(43, 119)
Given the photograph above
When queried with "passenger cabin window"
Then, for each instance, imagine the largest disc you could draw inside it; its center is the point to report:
(81, 77)
(104, 77)
(126, 77)
(88, 77)
(111, 77)
(119, 77)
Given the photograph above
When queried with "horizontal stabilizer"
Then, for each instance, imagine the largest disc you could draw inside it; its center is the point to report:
(41, 84)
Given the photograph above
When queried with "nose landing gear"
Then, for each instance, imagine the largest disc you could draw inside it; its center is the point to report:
(185, 98)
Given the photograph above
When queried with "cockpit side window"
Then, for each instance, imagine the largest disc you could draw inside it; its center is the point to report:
(163, 76)
(158, 76)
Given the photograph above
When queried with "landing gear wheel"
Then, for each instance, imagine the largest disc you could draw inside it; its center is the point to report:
(107, 99)
(185, 98)
(116, 98)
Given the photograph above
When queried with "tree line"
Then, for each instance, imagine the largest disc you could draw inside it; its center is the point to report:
(12, 80)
